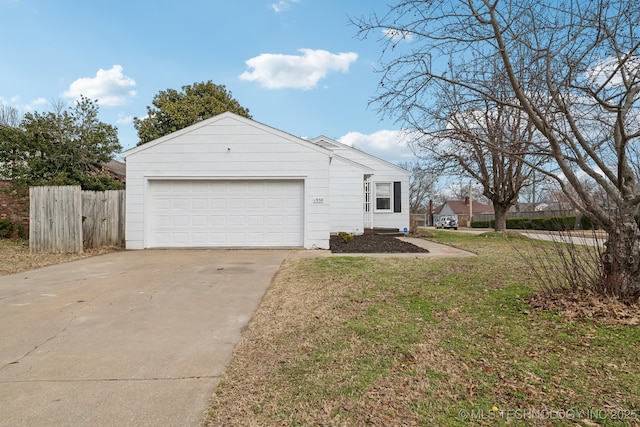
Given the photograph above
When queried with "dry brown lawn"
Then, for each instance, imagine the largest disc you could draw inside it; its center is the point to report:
(15, 256)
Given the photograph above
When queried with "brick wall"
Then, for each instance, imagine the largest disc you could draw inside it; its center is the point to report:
(14, 205)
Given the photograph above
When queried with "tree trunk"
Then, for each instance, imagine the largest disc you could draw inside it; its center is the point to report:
(501, 217)
(621, 261)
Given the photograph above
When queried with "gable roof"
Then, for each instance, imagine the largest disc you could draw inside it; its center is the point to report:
(116, 167)
(365, 169)
(332, 145)
(461, 207)
(219, 118)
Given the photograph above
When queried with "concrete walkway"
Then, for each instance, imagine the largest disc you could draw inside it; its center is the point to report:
(134, 338)
(436, 250)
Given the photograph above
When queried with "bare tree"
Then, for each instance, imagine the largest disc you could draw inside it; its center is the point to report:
(9, 116)
(574, 69)
(480, 138)
(421, 185)
(533, 192)
(460, 191)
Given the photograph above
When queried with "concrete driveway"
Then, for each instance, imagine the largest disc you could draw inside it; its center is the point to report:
(135, 338)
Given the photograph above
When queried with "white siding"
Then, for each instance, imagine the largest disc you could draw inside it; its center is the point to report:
(383, 172)
(347, 197)
(229, 147)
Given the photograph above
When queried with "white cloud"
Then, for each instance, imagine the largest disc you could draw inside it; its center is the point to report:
(30, 106)
(109, 87)
(609, 70)
(283, 5)
(389, 145)
(12, 100)
(397, 35)
(124, 119)
(277, 71)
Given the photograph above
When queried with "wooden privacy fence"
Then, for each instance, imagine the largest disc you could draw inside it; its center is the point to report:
(67, 219)
(103, 214)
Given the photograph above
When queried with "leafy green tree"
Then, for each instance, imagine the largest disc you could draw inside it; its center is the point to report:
(68, 146)
(173, 110)
(13, 145)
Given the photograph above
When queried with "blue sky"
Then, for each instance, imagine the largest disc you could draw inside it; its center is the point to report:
(296, 64)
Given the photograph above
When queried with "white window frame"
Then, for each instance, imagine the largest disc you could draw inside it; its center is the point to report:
(376, 197)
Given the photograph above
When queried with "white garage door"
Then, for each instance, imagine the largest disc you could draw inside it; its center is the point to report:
(226, 213)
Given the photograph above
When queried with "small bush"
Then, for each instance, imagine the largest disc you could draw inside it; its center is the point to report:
(480, 224)
(423, 234)
(518, 223)
(538, 223)
(587, 224)
(560, 223)
(6, 228)
(21, 231)
(346, 237)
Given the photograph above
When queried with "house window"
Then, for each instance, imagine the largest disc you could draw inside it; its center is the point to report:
(383, 196)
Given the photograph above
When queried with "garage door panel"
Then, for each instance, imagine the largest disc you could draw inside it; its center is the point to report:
(199, 221)
(256, 237)
(256, 220)
(275, 220)
(255, 204)
(218, 203)
(202, 204)
(293, 220)
(181, 238)
(236, 238)
(294, 204)
(180, 204)
(226, 213)
(200, 189)
(163, 204)
(288, 236)
(276, 237)
(236, 220)
(216, 237)
(180, 221)
(274, 203)
(217, 220)
(237, 204)
(162, 220)
(236, 187)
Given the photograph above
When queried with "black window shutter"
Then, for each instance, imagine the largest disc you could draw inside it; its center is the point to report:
(397, 197)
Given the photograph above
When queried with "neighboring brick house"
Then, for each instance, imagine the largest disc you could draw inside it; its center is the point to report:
(14, 205)
(461, 208)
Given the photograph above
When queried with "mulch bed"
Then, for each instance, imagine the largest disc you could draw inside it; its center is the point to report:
(372, 243)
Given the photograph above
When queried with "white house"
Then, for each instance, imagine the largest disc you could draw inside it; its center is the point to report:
(229, 181)
(385, 191)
